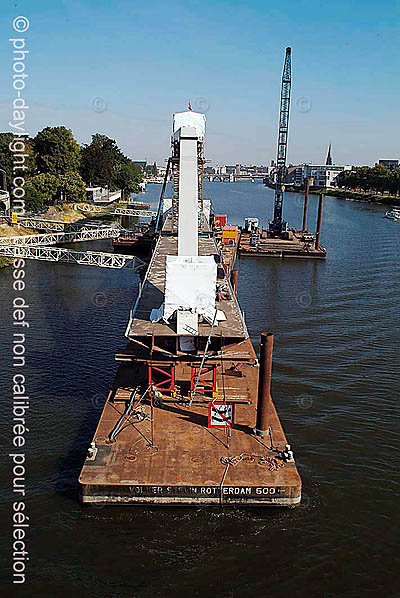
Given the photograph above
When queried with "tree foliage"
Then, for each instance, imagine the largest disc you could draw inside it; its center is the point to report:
(72, 187)
(151, 169)
(56, 151)
(10, 150)
(127, 178)
(103, 164)
(379, 179)
(40, 190)
(99, 161)
(56, 167)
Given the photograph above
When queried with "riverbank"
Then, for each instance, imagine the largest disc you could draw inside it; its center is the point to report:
(11, 231)
(375, 198)
(362, 196)
(59, 212)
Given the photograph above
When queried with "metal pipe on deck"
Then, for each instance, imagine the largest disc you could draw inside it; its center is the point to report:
(304, 227)
(319, 221)
(234, 280)
(264, 383)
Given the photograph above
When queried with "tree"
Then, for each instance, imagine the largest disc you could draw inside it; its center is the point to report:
(151, 169)
(100, 160)
(40, 190)
(378, 179)
(127, 178)
(72, 187)
(16, 153)
(56, 151)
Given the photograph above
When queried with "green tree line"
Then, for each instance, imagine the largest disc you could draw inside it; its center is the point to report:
(379, 179)
(57, 168)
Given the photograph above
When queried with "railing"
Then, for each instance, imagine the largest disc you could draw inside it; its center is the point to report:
(50, 225)
(54, 238)
(86, 258)
(115, 211)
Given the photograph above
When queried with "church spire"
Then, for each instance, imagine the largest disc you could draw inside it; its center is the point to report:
(329, 156)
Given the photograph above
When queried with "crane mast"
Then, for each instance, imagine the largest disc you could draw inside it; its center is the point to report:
(277, 226)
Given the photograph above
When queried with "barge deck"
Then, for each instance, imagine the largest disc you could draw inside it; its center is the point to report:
(189, 419)
(165, 453)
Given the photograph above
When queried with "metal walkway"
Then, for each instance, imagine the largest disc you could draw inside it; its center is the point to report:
(115, 211)
(86, 258)
(50, 225)
(65, 237)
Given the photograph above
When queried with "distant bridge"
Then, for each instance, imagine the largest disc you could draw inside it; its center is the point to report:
(232, 178)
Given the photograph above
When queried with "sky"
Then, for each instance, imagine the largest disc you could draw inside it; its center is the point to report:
(122, 68)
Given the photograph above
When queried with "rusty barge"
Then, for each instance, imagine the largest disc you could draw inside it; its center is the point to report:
(189, 419)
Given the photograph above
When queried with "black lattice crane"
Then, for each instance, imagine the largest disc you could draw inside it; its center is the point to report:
(277, 226)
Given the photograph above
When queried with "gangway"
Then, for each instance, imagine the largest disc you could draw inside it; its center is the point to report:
(33, 222)
(115, 211)
(85, 258)
(54, 238)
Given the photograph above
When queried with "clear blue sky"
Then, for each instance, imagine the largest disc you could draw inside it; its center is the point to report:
(147, 59)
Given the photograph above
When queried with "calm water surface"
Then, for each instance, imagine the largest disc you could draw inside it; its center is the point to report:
(336, 387)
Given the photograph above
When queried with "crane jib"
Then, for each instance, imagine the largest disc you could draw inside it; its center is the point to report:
(277, 224)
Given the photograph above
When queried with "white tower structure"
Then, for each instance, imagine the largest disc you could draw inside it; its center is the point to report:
(190, 282)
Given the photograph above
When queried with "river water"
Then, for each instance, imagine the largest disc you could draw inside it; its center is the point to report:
(336, 387)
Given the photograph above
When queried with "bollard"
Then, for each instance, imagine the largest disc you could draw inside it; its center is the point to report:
(234, 280)
(264, 383)
(319, 221)
(304, 228)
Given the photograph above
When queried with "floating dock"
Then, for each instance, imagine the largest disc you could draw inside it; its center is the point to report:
(189, 419)
(138, 240)
(298, 245)
(291, 243)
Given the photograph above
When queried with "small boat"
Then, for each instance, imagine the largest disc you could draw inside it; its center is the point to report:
(393, 214)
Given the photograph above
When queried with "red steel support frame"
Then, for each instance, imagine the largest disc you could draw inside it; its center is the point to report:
(204, 385)
(167, 371)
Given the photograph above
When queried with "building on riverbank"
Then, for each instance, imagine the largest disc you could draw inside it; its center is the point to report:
(321, 176)
(388, 163)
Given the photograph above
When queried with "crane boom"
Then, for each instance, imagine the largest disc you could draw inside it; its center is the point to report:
(277, 225)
